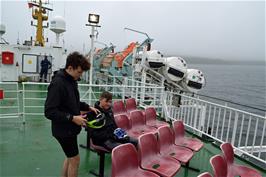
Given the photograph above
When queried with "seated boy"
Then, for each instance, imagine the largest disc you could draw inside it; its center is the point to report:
(105, 136)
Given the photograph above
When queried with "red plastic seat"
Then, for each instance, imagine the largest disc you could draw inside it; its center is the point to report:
(152, 160)
(150, 115)
(181, 140)
(206, 174)
(138, 123)
(123, 122)
(101, 151)
(131, 105)
(119, 108)
(234, 169)
(219, 166)
(125, 162)
(168, 148)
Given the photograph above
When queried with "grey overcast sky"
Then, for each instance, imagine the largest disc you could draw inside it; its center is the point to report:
(229, 30)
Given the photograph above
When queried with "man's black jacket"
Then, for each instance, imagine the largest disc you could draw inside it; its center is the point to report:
(62, 103)
(99, 136)
(45, 64)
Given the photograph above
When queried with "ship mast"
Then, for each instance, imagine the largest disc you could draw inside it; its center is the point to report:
(39, 14)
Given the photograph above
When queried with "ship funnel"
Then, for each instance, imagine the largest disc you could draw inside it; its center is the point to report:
(58, 26)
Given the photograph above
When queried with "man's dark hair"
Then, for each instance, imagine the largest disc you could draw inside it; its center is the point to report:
(75, 60)
(106, 95)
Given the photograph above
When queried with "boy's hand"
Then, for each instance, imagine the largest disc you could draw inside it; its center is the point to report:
(94, 110)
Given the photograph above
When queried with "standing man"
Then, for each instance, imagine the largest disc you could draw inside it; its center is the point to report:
(45, 65)
(63, 108)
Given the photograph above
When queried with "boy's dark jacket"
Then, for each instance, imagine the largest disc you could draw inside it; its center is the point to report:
(99, 136)
(62, 103)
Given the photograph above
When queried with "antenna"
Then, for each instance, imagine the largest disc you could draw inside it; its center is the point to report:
(18, 38)
(39, 13)
(64, 9)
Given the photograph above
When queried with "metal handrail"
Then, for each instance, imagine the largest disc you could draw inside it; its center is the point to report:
(198, 115)
(220, 122)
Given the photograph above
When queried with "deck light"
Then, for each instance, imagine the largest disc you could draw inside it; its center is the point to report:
(94, 19)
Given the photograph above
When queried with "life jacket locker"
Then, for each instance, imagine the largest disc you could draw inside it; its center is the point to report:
(7, 58)
(1, 94)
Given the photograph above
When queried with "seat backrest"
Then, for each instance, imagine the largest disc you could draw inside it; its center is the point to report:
(122, 121)
(124, 157)
(119, 107)
(166, 137)
(147, 146)
(219, 166)
(179, 129)
(150, 114)
(131, 104)
(137, 118)
(228, 152)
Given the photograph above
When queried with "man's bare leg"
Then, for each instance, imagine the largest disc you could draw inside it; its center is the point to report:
(73, 165)
(65, 168)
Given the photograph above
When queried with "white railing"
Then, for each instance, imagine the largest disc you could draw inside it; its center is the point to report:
(34, 95)
(10, 105)
(244, 130)
(145, 96)
(33, 99)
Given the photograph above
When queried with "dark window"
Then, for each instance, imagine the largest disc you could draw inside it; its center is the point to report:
(175, 72)
(195, 85)
(156, 64)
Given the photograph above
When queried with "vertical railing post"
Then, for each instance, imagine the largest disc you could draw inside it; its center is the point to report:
(234, 129)
(136, 91)
(114, 88)
(241, 130)
(213, 120)
(143, 86)
(23, 103)
(225, 111)
(202, 117)
(18, 102)
(155, 96)
(196, 112)
(218, 123)
(248, 131)
(123, 92)
(262, 137)
(254, 136)
(126, 84)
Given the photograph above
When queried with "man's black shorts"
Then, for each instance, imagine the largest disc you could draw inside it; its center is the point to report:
(69, 145)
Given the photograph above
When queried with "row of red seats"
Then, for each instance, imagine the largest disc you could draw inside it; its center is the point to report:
(223, 165)
(149, 117)
(159, 157)
(154, 157)
(155, 154)
(120, 108)
(137, 122)
(130, 105)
